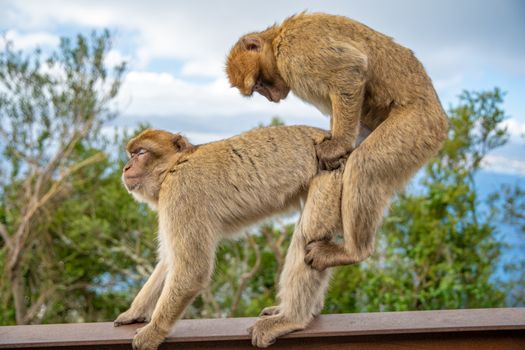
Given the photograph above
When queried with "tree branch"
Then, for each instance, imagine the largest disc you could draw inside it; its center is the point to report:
(23, 231)
(209, 299)
(5, 235)
(43, 298)
(245, 277)
(55, 187)
(275, 246)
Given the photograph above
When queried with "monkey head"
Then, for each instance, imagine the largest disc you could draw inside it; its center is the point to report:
(251, 67)
(151, 155)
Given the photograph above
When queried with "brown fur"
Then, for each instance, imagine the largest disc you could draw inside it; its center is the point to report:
(207, 192)
(361, 78)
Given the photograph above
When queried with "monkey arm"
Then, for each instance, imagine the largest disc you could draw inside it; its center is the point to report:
(188, 245)
(339, 76)
(144, 302)
(346, 112)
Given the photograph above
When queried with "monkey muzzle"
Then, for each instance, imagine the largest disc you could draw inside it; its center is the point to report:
(266, 90)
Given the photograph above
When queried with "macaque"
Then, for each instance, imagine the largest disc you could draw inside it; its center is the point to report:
(361, 78)
(206, 192)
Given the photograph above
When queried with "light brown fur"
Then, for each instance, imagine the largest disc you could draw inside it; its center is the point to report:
(207, 192)
(361, 78)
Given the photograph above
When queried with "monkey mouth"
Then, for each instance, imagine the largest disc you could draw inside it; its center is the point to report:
(270, 94)
(132, 183)
(273, 96)
(266, 88)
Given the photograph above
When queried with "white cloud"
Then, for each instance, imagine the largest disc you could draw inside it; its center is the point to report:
(115, 57)
(162, 94)
(515, 128)
(451, 38)
(504, 165)
(200, 68)
(37, 14)
(163, 30)
(31, 40)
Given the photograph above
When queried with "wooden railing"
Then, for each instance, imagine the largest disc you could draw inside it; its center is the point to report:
(479, 329)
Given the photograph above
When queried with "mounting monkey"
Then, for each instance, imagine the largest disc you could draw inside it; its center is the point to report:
(206, 192)
(360, 78)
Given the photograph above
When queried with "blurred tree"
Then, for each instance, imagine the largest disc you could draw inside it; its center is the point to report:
(51, 112)
(437, 249)
(512, 198)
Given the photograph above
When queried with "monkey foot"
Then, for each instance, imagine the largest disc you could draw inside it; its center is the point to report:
(129, 317)
(147, 338)
(266, 330)
(321, 255)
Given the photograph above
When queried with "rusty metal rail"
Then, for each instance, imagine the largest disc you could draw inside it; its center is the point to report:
(477, 329)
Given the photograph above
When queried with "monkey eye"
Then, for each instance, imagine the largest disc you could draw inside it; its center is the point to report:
(137, 152)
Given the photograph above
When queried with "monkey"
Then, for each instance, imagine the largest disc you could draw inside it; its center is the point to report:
(360, 78)
(207, 192)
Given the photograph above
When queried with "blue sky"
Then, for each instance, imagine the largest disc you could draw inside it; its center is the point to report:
(176, 54)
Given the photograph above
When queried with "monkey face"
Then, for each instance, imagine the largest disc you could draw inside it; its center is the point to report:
(250, 67)
(151, 154)
(134, 171)
(138, 178)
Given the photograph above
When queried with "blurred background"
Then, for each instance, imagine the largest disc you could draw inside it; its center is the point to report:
(77, 79)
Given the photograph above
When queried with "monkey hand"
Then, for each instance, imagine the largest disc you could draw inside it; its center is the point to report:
(320, 255)
(130, 316)
(266, 330)
(332, 154)
(147, 338)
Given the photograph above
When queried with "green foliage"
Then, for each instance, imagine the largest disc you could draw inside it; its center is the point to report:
(69, 230)
(276, 121)
(100, 235)
(512, 198)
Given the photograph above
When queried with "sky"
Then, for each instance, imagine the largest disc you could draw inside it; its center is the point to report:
(176, 51)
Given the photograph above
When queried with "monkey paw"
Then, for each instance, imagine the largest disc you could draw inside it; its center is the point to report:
(270, 311)
(321, 255)
(266, 330)
(130, 316)
(147, 338)
(331, 154)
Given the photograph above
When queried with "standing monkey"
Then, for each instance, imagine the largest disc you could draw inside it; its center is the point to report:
(207, 192)
(360, 78)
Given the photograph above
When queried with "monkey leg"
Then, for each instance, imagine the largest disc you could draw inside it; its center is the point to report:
(144, 303)
(190, 257)
(301, 295)
(301, 288)
(378, 168)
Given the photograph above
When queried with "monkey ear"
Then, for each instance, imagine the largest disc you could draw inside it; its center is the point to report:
(252, 43)
(180, 142)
